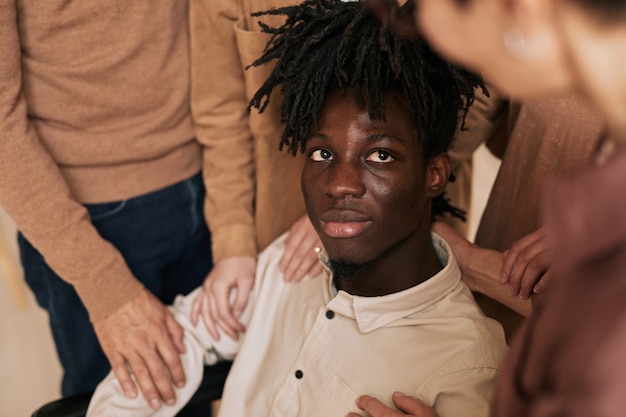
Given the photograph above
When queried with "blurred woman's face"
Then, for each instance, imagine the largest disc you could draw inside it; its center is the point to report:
(515, 49)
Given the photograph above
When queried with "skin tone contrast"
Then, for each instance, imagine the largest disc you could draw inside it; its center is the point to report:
(357, 172)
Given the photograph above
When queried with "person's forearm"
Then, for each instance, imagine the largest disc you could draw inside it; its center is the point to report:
(482, 274)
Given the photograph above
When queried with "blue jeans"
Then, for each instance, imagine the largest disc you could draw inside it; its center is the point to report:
(167, 246)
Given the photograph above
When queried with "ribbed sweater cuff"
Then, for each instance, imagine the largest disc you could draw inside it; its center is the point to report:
(233, 240)
(103, 297)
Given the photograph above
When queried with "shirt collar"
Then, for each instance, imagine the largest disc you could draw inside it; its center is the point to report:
(372, 313)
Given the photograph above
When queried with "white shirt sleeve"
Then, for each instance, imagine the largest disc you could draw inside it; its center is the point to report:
(109, 399)
(466, 392)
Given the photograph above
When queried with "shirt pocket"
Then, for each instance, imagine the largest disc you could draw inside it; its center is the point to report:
(335, 398)
(251, 44)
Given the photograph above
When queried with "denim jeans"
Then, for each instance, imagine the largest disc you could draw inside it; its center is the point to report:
(167, 246)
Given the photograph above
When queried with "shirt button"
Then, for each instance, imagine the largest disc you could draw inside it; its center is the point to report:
(330, 314)
(299, 374)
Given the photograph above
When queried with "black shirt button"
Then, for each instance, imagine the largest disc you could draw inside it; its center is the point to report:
(299, 374)
(330, 314)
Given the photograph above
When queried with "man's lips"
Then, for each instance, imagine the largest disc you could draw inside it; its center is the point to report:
(343, 224)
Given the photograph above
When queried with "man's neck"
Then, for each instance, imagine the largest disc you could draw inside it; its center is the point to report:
(403, 266)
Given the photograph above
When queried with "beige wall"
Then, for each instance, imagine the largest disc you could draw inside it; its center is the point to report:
(30, 373)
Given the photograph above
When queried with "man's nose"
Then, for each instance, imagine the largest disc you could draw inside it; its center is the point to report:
(346, 179)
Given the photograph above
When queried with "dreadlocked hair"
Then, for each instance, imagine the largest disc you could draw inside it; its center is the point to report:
(330, 45)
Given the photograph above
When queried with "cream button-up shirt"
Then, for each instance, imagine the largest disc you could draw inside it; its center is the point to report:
(311, 351)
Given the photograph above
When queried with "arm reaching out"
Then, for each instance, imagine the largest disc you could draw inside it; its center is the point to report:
(482, 269)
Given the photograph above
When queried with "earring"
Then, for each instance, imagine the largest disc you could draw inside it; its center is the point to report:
(518, 44)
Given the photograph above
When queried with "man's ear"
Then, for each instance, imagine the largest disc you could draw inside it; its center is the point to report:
(437, 174)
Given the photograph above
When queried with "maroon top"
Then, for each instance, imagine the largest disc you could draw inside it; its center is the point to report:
(568, 358)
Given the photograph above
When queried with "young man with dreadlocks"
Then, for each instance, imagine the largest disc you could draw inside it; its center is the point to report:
(374, 114)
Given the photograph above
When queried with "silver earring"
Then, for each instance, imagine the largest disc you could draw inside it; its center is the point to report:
(517, 44)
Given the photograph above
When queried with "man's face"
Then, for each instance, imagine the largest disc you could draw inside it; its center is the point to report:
(364, 180)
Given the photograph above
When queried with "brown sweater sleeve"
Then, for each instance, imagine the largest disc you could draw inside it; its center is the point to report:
(219, 110)
(37, 197)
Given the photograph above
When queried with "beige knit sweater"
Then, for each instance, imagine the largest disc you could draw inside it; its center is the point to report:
(94, 107)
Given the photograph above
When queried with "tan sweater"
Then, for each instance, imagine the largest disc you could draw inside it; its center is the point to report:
(93, 108)
(253, 189)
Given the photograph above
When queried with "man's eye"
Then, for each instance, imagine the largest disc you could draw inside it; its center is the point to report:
(321, 155)
(380, 156)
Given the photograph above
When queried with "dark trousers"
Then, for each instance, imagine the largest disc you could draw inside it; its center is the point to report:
(167, 246)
